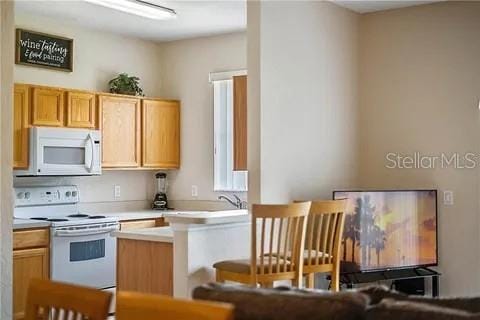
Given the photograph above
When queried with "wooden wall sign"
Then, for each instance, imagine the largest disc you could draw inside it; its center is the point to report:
(44, 50)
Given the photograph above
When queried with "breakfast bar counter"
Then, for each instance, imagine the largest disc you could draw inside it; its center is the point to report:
(181, 255)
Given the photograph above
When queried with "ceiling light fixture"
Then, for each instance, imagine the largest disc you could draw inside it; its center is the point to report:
(138, 7)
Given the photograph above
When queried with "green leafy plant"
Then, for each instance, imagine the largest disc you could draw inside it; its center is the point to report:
(124, 84)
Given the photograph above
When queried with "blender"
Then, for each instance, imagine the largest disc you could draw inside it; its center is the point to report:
(160, 201)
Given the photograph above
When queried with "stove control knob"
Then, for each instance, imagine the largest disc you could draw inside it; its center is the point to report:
(20, 195)
(74, 193)
(27, 195)
(68, 194)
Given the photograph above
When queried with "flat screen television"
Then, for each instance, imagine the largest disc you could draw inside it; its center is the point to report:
(386, 230)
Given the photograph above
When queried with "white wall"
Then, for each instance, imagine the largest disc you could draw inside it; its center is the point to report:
(185, 68)
(307, 55)
(420, 85)
(98, 57)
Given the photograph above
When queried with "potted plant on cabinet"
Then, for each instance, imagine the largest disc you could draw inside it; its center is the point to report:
(125, 84)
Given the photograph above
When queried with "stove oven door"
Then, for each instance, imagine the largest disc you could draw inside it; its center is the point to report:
(84, 255)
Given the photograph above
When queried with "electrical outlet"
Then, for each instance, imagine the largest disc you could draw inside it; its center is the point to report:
(117, 191)
(448, 198)
(194, 191)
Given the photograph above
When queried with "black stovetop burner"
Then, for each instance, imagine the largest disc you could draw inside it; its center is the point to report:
(78, 215)
(49, 219)
(96, 217)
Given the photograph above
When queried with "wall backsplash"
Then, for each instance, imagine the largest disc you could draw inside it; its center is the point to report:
(134, 185)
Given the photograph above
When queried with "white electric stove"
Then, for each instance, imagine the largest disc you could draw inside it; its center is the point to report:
(82, 249)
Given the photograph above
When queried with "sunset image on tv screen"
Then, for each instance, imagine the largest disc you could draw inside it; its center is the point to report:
(388, 229)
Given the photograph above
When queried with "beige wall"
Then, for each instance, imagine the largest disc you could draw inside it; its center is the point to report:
(98, 57)
(307, 57)
(185, 68)
(420, 85)
(253, 101)
(6, 205)
(338, 91)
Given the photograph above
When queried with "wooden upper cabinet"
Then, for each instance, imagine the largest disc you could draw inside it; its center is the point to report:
(21, 107)
(119, 119)
(240, 123)
(47, 107)
(81, 109)
(161, 133)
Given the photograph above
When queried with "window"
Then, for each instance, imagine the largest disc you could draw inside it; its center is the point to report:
(225, 179)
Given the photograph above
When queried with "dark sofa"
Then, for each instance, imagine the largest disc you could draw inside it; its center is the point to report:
(370, 303)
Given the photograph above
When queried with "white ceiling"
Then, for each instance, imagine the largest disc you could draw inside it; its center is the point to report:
(194, 18)
(362, 6)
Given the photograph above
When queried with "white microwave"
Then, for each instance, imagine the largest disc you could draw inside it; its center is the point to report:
(63, 152)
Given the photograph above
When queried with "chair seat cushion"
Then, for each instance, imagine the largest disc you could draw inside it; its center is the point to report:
(243, 265)
(313, 254)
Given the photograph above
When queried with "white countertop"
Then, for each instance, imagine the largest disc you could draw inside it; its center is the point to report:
(160, 234)
(19, 224)
(136, 215)
(207, 217)
(178, 217)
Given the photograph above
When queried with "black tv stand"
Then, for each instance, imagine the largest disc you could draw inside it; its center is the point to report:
(351, 279)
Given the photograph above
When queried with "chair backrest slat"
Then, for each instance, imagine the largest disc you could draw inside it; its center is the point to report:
(287, 239)
(56, 301)
(262, 246)
(326, 230)
(285, 244)
(309, 244)
(270, 248)
(318, 233)
(279, 241)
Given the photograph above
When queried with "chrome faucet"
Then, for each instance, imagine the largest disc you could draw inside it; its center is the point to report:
(237, 203)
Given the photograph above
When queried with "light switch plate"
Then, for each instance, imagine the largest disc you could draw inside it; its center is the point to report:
(448, 198)
(194, 191)
(117, 191)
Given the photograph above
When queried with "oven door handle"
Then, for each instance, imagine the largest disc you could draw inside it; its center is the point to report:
(84, 232)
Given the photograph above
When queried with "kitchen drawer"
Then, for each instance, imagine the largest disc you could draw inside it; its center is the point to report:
(31, 238)
(141, 224)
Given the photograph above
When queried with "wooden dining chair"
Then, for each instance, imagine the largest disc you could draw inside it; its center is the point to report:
(133, 306)
(323, 241)
(282, 232)
(48, 300)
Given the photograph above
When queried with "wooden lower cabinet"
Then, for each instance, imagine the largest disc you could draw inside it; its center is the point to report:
(145, 266)
(27, 264)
